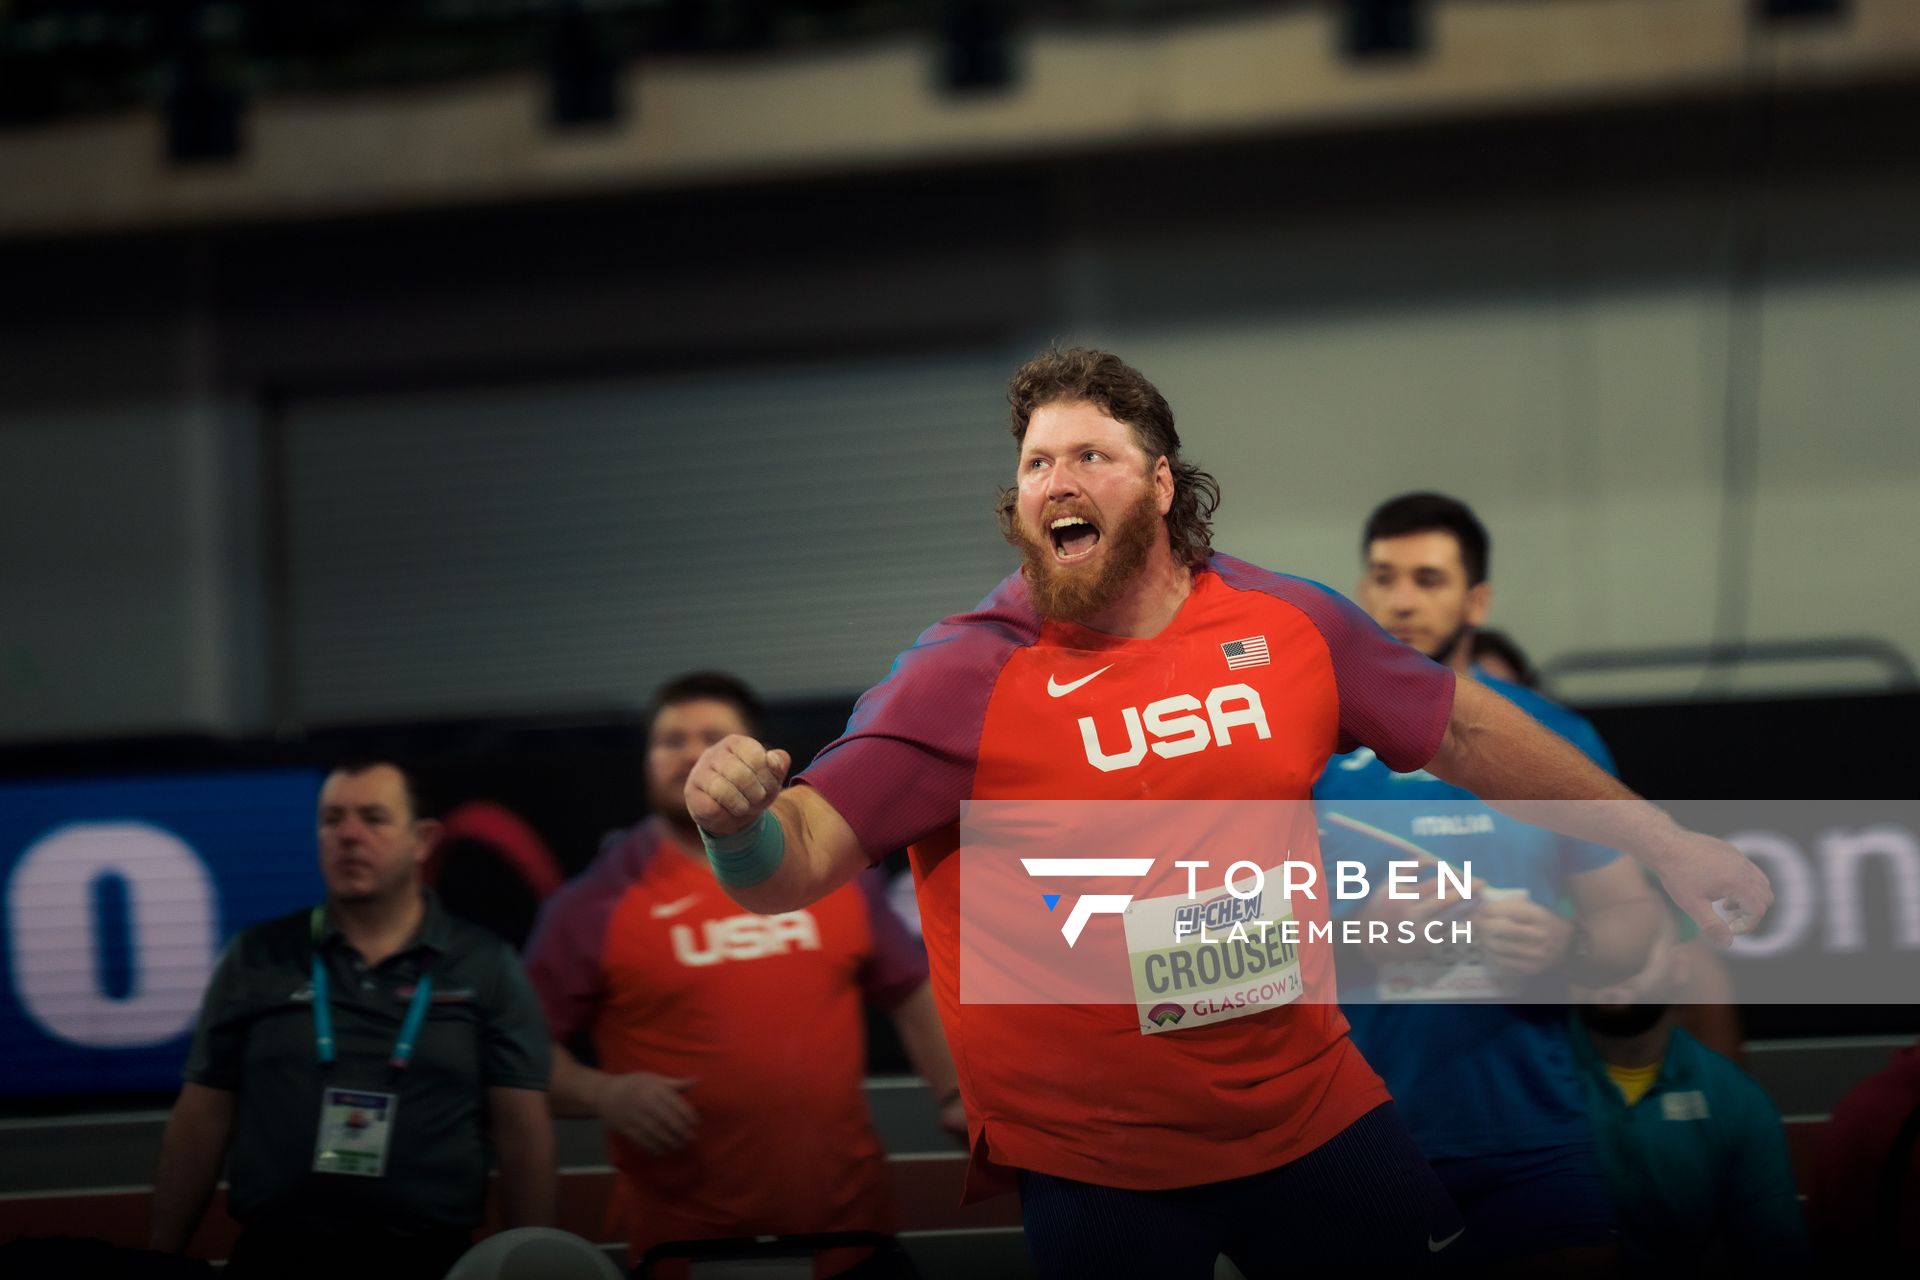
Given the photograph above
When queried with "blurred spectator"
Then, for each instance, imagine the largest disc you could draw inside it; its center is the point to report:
(362, 1058)
(1704, 1000)
(1686, 972)
(1474, 1044)
(730, 1046)
(1864, 1197)
(1495, 653)
(1695, 1155)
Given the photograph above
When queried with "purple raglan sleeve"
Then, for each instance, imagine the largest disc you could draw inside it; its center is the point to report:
(563, 957)
(1393, 698)
(906, 760)
(898, 966)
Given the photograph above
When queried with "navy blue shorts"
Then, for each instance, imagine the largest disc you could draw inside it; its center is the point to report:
(1532, 1202)
(1365, 1199)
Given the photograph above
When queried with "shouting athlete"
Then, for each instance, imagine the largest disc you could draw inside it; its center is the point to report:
(1265, 1137)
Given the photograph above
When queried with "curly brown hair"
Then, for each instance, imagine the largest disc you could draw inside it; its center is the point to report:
(1075, 374)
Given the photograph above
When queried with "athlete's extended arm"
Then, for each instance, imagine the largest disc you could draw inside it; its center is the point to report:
(1501, 754)
(808, 853)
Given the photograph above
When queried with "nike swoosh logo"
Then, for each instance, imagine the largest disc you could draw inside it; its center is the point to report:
(661, 910)
(1056, 690)
(1435, 1246)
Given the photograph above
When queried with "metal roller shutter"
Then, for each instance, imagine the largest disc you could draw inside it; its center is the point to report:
(567, 546)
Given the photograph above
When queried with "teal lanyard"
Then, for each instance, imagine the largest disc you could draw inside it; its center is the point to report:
(323, 1010)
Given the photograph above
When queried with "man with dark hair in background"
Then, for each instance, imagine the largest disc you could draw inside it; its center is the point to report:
(1473, 1043)
(363, 1059)
(730, 1047)
(1144, 1150)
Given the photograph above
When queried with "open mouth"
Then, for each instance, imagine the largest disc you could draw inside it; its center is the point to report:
(1074, 538)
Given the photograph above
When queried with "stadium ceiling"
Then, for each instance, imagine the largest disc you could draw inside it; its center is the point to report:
(65, 58)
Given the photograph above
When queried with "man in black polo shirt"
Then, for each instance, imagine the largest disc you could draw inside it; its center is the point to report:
(364, 1059)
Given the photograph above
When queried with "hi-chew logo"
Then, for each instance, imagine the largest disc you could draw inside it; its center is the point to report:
(1216, 915)
(1087, 905)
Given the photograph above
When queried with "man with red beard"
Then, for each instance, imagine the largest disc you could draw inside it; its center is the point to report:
(1144, 1146)
(730, 1049)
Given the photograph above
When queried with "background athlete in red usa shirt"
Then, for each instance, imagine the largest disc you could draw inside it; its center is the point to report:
(1112, 526)
(729, 1047)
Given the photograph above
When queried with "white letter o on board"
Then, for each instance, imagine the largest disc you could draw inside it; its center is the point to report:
(56, 947)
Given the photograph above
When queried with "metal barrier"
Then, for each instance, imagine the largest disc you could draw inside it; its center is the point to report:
(1901, 675)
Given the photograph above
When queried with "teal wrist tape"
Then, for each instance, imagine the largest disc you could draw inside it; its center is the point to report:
(747, 857)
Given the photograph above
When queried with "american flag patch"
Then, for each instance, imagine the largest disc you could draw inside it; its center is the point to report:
(1251, 652)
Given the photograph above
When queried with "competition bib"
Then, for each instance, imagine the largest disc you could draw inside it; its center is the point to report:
(1201, 960)
(354, 1130)
(1461, 972)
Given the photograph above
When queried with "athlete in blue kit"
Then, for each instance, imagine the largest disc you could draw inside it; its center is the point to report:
(1473, 1041)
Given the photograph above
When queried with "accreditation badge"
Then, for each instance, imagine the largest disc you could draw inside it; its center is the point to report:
(1460, 971)
(1201, 960)
(355, 1128)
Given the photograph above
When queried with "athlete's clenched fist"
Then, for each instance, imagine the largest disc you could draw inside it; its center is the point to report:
(734, 782)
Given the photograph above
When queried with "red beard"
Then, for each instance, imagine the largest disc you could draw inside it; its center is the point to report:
(1070, 593)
